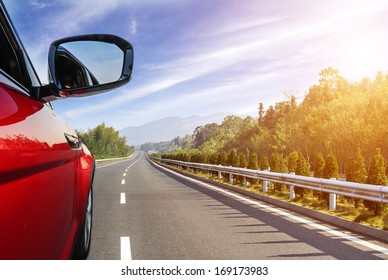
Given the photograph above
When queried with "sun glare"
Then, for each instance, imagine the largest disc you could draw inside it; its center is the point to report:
(363, 55)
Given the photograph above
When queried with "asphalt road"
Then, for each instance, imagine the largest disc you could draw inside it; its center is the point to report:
(142, 211)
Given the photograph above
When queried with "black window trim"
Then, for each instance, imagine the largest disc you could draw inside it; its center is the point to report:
(21, 54)
(12, 83)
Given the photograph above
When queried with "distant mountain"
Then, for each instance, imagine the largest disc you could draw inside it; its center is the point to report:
(168, 128)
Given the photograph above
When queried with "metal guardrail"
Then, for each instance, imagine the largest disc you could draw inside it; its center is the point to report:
(331, 186)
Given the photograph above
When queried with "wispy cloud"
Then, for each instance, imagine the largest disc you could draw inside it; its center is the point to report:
(81, 12)
(237, 27)
(38, 4)
(133, 26)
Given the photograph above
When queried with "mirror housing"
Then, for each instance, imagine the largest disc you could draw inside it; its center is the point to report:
(83, 82)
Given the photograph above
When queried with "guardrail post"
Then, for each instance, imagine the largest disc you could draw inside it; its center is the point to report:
(231, 178)
(265, 186)
(219, 175)
(292, 191)
(245, 182)
(332, 199)
(265, 183)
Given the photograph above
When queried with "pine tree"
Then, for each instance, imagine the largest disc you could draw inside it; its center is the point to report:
(302, 166)
(254, 165)
(330, 171)
(356, 172)
(331, 167)
(222, 158)
(264, 163)
(292, 161)
(278, 164)
(319, 166)
(253, 162)
(232, 157)
(213, 158)
(303, 170)
(377, 176)
(275, 162)
(186, 157)
(242, 161)
(261, 113)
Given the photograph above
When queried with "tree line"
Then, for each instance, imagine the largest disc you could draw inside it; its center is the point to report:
(165, 147)
(340, 128)
(105, 142)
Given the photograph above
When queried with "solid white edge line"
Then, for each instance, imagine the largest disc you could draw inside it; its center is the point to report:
(122, 198)
(106, 165)
(125, 248)
(134, 163)
(287, 214)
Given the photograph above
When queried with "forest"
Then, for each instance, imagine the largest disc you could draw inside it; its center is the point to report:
(339, 129)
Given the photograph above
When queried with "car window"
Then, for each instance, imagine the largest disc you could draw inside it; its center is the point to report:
(8, 59)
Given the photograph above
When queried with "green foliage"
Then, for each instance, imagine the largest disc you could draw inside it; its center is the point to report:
(302, 169)
(377, 176)
(165, 147)
(223, 158)
(319, 165)
(242, 159)
(335, 118)
(253, 162)
(264, 163)
(254, 165)
(213, 158)
(232, 158)
(356, 172)
(292, 161)
(105, 142)
(278, 163)
(331, 167)
(203, 134)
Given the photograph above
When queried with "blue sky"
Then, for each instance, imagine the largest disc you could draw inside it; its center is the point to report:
(198, 57)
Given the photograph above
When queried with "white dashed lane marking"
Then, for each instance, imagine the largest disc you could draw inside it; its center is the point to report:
(125, 248)
(125, 243)
(122, 198)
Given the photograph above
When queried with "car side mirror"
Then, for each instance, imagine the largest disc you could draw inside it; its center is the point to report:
(87, 65)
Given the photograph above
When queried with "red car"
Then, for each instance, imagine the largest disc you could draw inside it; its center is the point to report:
(46, 173)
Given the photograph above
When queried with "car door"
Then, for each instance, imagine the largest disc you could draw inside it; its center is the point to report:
(38, 177)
